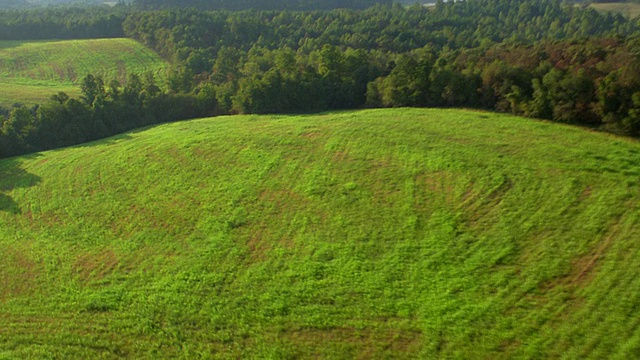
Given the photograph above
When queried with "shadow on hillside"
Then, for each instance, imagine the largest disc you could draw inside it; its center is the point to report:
(106, 141)
(9, 205)
(12, 176)
(322, 112)
(11, 44)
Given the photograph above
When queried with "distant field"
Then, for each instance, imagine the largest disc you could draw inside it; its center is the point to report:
(13, 92)
(631, 10)
(32, 71)
(378, 234)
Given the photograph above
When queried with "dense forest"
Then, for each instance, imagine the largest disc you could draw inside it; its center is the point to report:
(538, 58)
(63, 22)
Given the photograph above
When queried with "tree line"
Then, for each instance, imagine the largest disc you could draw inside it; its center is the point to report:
(236, 5)
(382, 25)
(102, 110)
(590, 81)
(193, 38)
(537, 58)
(63, 22)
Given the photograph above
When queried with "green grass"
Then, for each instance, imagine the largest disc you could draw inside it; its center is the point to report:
(400, 233)
(30, 72)
(30, 94)
(630, 10)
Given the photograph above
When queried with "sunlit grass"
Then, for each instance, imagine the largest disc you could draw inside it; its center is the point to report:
(32, 71)
(398, 233)
(30, 94)
(628, 9)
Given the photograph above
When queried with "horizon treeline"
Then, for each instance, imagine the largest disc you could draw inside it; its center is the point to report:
(235, 5)
(538, 58)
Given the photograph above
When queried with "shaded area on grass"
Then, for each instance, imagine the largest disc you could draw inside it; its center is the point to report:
(12, 176)
(109, 141)
(7, 204)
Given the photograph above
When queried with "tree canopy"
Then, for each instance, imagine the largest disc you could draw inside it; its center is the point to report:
(539, 58)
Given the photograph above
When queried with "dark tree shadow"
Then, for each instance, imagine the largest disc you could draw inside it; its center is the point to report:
(105, 141)
(9, 205)
(11, 44)
(12, 176)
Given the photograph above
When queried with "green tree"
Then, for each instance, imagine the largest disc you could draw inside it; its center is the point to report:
(92, 88)
(18, 129)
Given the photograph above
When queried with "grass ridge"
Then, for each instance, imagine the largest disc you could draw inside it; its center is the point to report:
(388, 233)
(29, 69)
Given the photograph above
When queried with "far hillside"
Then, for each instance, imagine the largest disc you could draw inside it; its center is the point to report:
(628, 9)
(32, 71)
(13, 3)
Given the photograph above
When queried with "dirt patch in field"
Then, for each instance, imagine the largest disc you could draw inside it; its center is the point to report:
(468, 196)
(276, 203)
(260, 244)
(203, 151)
(582, 271)
(480, 209)
(443, 185)
(508, 346)
(586, 193)
(17, 273)
(139, 214)
(446, 188)
(584, 268)
(281, 199)
(311, 134)
(437, 181)
(95, 266)
(51, 219)
(366, 342)
(257, 246)
(340, 156)
(31, 324)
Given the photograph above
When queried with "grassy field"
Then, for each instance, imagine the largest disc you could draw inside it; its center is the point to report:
(31, 72)
(630, 10)
(404, 233)
(32, 92)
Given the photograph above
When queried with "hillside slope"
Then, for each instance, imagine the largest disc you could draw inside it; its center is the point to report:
(31, 72)
(628, 9)
(398, 233)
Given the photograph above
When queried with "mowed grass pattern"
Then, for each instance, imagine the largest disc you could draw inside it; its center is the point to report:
(399, 233)
(27, 69)
(628, 9)
(34, 93)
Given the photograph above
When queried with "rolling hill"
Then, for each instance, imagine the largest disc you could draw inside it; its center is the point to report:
(30, 72)
(397, 233)
(628, 9)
